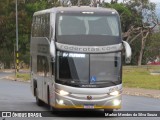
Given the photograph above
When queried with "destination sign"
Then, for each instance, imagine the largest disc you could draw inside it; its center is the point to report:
(89, 49)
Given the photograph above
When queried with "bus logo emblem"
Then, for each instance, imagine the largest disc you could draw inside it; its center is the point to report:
(89, 97)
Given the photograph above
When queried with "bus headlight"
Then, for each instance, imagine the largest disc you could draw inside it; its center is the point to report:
(62, 92)
(115, 93)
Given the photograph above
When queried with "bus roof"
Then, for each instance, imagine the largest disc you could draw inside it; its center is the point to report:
(76, 9)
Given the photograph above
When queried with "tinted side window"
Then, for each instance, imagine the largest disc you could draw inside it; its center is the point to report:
(42, 66)
(41, 26)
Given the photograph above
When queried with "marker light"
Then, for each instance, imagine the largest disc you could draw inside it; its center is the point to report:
(116, 102)
(115, 93)
(63, 93)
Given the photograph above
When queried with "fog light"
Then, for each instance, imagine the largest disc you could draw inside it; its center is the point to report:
(116, 102)
(114, 93)
(60, 102)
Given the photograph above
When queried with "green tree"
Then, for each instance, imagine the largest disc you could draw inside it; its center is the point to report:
(152, 47)
(26, 8)
(7, 32)
(138, 20)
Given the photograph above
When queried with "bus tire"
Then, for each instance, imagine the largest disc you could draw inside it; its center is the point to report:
(35, 86)
(38, 101)
(110, 111)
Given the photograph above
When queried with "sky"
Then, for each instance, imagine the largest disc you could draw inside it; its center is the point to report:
(154, 1)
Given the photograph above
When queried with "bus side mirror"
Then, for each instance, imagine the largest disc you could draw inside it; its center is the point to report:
(52, 50)
(128, 52)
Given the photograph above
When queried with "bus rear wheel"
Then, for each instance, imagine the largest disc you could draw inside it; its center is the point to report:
(38, 101)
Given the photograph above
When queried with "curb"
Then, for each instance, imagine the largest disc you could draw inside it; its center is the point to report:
(13, 79)
(142, 92)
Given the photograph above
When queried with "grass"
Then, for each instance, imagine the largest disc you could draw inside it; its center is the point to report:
(140, 77)
(23, 76)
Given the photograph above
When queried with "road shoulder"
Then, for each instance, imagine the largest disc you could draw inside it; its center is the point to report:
(142, 92)
(15, 79)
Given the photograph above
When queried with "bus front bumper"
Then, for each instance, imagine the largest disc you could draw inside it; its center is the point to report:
(64, 102)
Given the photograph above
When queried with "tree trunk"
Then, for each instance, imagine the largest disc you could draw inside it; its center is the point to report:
(143, 43)
(141, 53)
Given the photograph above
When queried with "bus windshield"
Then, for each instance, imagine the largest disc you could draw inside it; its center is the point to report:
(88, 25)
(89, 69)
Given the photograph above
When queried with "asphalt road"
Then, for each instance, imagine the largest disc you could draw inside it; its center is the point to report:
(16, 96)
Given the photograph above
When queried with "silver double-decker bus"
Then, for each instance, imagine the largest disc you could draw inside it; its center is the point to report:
(76, 58)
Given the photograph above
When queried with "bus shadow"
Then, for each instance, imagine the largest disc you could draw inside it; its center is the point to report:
(79, 113)
(72, 112)
(75, 112)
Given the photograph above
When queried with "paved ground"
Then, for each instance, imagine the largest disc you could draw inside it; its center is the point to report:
(15, 95)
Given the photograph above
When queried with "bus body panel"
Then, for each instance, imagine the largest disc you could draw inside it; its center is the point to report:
(41, 67)
(44, 68)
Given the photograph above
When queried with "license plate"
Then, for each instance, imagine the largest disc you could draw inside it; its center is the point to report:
(89, 106)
